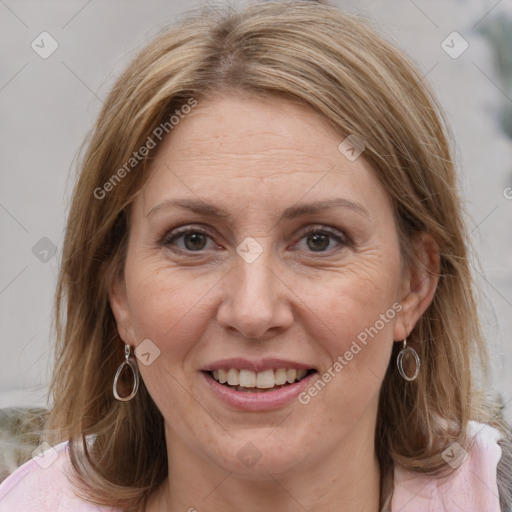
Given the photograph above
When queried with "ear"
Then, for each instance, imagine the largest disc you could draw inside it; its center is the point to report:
(419, 283)
(118, 300)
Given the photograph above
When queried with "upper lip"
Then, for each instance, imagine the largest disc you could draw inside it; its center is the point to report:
(256, 365)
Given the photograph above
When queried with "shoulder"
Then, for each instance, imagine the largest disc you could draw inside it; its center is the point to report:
(471, 486)
(42, 485)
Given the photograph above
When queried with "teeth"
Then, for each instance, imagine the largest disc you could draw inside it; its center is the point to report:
(233, 377)
(265, 380)
(247, 379)
(260, 380)
(280, 376)
(291, 375)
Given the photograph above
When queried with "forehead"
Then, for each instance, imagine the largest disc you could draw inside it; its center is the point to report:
(254, 150)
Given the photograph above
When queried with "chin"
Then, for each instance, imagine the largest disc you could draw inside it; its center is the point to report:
(259, 459)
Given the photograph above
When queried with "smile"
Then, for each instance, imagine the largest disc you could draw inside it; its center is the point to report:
(251, 381)
(253, 398)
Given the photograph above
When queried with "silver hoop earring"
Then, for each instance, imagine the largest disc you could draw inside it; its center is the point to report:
(399, 361)
(130, 362)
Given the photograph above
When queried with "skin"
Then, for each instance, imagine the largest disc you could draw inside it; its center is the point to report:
(302, 299)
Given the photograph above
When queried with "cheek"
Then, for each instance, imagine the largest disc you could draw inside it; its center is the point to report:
(168, 310)
(358, 308)
(166, 305)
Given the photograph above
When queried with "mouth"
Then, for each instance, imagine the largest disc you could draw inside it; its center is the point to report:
(249, 381)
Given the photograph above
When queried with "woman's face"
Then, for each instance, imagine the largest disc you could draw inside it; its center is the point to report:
(256, 240)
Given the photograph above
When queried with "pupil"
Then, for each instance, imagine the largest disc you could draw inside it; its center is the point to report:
(323, 239)
(196, 241)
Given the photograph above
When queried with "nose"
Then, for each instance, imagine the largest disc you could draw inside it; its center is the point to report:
(255, 300)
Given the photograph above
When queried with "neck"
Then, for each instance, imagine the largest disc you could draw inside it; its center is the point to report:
(347, 479)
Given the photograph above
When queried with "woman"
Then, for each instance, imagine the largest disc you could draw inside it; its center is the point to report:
(265, 301)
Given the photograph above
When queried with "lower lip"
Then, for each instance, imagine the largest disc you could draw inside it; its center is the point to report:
(258, 401)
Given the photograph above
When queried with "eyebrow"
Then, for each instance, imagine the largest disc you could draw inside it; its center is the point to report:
(292, 212)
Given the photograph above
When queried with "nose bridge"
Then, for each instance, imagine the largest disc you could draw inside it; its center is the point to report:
(253, 288)
(252, 300)
(255, 279)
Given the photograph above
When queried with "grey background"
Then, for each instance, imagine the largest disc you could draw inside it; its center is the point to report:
(47, 106)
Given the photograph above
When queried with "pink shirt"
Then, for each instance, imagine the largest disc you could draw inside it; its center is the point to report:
(41, 483)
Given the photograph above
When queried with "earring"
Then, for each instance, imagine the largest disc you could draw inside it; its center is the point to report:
(399, 361)
(130, 362)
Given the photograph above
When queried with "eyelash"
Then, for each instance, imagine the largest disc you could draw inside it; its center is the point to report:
(325, 230)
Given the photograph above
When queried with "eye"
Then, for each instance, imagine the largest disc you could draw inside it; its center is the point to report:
(191, 240)
(323, 239)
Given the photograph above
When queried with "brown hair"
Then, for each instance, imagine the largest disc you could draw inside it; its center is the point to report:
(362, 85)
